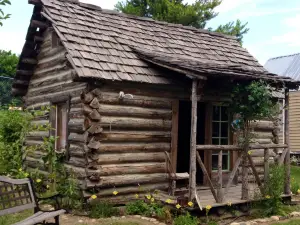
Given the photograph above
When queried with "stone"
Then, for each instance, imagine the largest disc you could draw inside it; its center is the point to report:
(295, 214)
(152, 220)
(80, 221)
(275, 218)
(156, 222)
(234, 224)
(123, 217)
(93, 220)
(137, 216)
(113, 217)
(144, 218)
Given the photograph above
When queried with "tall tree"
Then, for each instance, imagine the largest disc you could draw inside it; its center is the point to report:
(175, 11)
(3, 16)
(8, 65)
(237, 29)
(172, 11)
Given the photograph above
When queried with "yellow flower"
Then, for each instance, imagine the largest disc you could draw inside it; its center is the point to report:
(152, 199)
(268, 197)
(47, 186)
(249, 152)
(169, 201)
(229, 203)
(190, 204)
(178, 206)
(208, 207)
(20, 169)
(26, 174)
(148, 197)
(136, 196)
(298, 191)
(93, 196)
(115, 193)
(38, 180)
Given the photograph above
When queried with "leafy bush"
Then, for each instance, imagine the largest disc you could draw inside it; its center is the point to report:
(137, 208)
(14, 126)
(295, 186)
(186, 220)
(273, 189)
(102, 210)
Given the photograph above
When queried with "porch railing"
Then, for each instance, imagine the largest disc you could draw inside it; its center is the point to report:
(244, 158)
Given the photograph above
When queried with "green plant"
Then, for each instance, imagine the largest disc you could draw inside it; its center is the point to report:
(4, 16)
(186, 220)
(137, 208)
(295, 186)
(270, 199)
(102, 210)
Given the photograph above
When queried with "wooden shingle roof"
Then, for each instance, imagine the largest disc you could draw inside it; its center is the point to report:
(105, 44)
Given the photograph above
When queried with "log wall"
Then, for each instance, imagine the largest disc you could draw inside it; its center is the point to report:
(126, 139)
(52, 80)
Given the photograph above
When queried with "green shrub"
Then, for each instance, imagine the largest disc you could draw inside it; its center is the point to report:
(13, 127)
(295, 186)
(137, 208)
(186, 220)
(273, 189)
(102, 210)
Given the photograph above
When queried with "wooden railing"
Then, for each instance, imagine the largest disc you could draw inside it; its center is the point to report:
(244, 157)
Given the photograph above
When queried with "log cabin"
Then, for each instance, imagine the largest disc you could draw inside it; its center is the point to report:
(141, 105)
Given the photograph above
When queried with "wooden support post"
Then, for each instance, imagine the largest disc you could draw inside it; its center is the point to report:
(266, 165)
(245, 185)
(207, 176)
(220, 177)
(287, 161)
(232, 175)
(174, 132)
(193, 151)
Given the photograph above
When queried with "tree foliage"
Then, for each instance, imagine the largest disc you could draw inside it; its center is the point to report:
(8, 65)
(175, 11)
(3, 16)
(172, 11)
(237, 29)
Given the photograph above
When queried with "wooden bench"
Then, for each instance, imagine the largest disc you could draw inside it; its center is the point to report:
(17, 195)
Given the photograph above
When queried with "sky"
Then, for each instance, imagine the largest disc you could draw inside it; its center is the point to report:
(274, 24)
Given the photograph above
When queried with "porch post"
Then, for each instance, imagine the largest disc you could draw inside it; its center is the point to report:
(287, 163)
(192, 179)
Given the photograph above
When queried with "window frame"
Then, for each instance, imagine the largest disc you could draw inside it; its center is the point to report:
(65, 101)
(219, 138)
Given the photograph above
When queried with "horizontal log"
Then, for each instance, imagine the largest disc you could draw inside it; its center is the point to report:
(147, 102)
(18, 92)
(35, 163)
(58, 77)
(134, 189)
(75, 137)
(80, 173)
(262, 125)
(27, 73)
(119, 180)
(128, 157)
(20, 83)
(133, 137)
(130, 111)
(135, 123)
(78, 162)
(263, 141)
(87, 97)
(134, 147)
(75, 100)
(76, 149)
(29, 61)
(38, 39)
(35, 2)
(95, 103)
(38, 24)
(251, 178)
(238, 148)
(76, 125)
(128, 168)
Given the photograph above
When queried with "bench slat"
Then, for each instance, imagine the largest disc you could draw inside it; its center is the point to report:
(40, 218)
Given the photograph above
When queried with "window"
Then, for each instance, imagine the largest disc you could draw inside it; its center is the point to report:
(220, 135)
(59, 121)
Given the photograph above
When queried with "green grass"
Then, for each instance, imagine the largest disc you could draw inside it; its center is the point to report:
(295, 173)
(291, 222)
(14, 218)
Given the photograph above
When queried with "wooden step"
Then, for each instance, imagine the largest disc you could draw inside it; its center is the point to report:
(180, 176)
